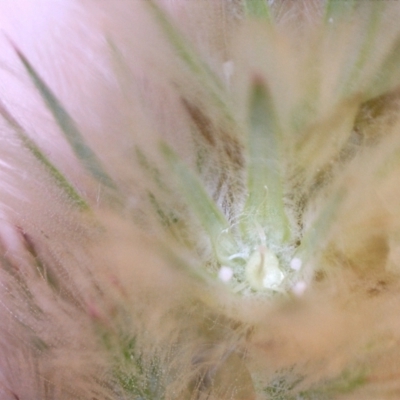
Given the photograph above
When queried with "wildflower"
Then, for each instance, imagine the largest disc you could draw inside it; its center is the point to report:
(200, 200)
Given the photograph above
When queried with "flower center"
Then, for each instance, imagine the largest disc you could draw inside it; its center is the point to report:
(263, 271)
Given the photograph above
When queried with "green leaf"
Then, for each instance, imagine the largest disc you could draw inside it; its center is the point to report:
(59, 178)
(151, 170)
(201, 71)
(46, 273)
(316, 153)
(139, 374)
(264, 182)
(347, 382)
(388, 75)
(285, 386)
(315, 236)
(191, 271)
(368, 21)
(365, 47)
(338, 8)
(257, 8)
(212, 219)
(83, 152)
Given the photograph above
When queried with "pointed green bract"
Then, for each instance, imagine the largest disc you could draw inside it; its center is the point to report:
(200, 70)
(264, 183)
(364, 50)
(316, 234)
(338, 8)
(84, 153)
(389, 71)
(54, 172)
(212, 219)
(257, 8)
(287, 386)
(177, 263)
(60, 179)
(151, 169)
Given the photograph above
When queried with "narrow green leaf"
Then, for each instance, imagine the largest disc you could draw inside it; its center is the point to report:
(366, 46)
(389, 165)
(264, 181)
(315, 152)
(198, 274)
(20, 281)
(335, 9)
(257, 8)
(47, 274)
(369, 15)
(121, 70)
(315, 236)
(388, 75)
(83, 152)
(59, 178)
(167, 217)
(54, 172)
(151, 170)
(347, 382)
(212, 219)
(195, 64)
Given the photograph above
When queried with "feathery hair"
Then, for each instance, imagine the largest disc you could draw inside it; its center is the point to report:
(199, 199)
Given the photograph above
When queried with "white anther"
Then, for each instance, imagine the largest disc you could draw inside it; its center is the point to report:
(299, 288)
(296, 264)
(225, 274)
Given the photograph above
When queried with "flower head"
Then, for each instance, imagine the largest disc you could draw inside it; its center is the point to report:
(200, 200)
